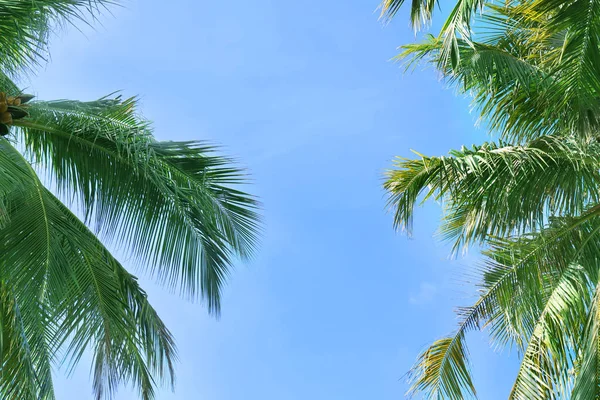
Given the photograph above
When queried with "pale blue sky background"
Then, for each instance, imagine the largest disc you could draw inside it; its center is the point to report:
(336, 305)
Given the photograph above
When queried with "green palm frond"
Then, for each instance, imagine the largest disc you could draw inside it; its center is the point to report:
(421, 11)
(531, 67)
(587, 381)
(73, 294)
(176, 206)
(26, 352)
(550, 348)
(498, 189)
(27, 25)
(535, 293)
(179, 212)
(578, 67)
(442, 370)
(131, 343)
(506, 84)
(457, 26)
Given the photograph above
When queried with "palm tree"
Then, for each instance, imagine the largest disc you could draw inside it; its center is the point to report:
(176, 207)
(530, 200)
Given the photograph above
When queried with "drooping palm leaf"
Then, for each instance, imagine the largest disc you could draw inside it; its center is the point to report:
(70, 292)
(196, 222)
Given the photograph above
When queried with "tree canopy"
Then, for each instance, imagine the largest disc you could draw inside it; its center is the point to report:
(529, 199)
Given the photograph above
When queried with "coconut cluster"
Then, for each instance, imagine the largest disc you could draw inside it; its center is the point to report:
(12, 108)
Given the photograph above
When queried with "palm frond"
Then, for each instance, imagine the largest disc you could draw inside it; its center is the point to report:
(578, 66)
(25, 348)
(587, 381)
(27, 25)
(534, 294)
(442, 370)
(532, 70)
(178, 207)
(544, 370)
(496, 189)
(531, 67)
(180, 213)
(71, 293)
(421, 11)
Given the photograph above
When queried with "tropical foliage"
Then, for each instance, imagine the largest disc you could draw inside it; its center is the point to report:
(175, 207)
(530, 199)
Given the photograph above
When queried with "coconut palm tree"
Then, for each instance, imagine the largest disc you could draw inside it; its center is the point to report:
(174, 207)
(530, 199)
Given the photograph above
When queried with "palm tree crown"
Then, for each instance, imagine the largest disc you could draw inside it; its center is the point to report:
(175, 206)
(529, 199)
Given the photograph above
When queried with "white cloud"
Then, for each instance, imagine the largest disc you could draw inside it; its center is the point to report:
(425, 295)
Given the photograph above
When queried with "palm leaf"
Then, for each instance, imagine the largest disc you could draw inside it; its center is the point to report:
(496, 189)
(533, 294)
(587, 382)
(27, 25)
(69, 291)
(180, 212)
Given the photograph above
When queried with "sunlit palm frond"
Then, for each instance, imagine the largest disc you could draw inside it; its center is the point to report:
(497, 189)
(550, 352)
(456, 28)
(587, 380)
(578, 68)
(536, 293)
(513, 94)
(421, 12)
(531, 67)
(442, 371)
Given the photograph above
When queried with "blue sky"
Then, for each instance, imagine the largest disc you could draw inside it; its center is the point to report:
(336, 305)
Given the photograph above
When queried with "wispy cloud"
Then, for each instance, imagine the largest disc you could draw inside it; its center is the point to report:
(425, 295)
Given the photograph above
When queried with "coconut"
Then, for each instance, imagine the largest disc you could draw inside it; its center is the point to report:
(5, 118)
